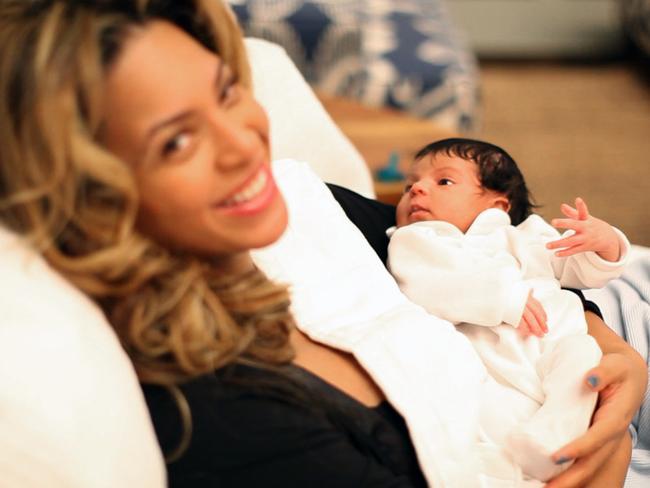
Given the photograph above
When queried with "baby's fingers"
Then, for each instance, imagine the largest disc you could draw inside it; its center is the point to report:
(569, 211)
(524, 329)
(581, 207)
(570, 251)
(536, 308)
(569, 245)
(573, 224)
(533, 324)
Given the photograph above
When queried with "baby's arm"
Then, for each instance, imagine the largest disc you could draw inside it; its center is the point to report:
(596, 251)
(454, 281)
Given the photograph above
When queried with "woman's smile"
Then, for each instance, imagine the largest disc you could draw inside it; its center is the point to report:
(254, 196)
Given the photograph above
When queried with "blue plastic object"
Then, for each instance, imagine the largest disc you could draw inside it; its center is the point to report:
(391, 171)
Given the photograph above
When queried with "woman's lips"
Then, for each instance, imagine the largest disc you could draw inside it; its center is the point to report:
(254, 196)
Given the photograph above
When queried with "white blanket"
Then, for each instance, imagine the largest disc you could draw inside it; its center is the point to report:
(344, 297)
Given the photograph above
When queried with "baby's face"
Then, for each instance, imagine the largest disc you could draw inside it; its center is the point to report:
(444, 188)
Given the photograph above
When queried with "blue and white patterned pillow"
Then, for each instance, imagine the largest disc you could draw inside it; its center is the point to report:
(401, 53)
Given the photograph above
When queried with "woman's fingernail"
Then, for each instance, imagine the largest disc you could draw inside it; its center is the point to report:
(593, 381)
(562, 460)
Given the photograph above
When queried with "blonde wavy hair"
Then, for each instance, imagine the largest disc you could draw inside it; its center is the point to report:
(175, 314)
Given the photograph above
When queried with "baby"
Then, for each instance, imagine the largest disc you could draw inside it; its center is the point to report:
(468, 249)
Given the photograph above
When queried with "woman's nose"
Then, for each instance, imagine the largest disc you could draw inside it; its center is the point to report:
(236, 144)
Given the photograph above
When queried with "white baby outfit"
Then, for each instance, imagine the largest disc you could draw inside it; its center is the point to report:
(480, 281)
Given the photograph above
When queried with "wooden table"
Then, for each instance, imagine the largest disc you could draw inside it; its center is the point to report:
(378, 132)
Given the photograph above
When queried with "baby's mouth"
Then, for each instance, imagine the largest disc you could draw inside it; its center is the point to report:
(417, 208)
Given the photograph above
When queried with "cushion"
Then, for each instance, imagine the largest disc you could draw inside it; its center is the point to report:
(406, 55)
(73, 414)
(300, 127)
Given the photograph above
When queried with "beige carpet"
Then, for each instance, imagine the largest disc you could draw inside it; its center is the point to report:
(576, 131)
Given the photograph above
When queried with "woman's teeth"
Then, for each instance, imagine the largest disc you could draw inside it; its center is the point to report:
(249, 192)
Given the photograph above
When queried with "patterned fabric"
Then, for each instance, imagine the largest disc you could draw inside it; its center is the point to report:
(626, 309)
(404, 54)
(636, 18)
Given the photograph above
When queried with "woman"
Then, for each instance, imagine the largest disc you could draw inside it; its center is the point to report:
(148, 192)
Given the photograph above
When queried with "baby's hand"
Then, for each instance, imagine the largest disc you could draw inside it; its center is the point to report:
(591, 234)
(533, 321)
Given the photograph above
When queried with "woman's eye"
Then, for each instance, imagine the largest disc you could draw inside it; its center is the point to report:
(227, 92)
(445, 181)
(228, 89)
(175, 144)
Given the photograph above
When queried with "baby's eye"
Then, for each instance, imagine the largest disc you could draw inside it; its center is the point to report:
(407, 188)
(176, 143)
(445, 181)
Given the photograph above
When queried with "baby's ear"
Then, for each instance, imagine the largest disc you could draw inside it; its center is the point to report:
(501, 202)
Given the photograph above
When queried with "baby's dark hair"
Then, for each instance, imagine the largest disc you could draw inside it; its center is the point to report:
(496, 168)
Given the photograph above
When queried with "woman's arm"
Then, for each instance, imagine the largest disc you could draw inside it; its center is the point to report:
(603, 452)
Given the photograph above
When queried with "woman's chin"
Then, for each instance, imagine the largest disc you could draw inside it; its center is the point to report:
(274, 226)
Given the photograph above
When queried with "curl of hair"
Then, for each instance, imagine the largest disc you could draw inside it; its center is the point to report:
(176, 315)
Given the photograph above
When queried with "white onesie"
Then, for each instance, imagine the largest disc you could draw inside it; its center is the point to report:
(480, 281)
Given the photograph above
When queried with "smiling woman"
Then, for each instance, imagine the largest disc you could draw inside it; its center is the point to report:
(137, 154)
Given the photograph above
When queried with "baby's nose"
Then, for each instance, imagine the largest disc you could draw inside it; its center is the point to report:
(419, 188)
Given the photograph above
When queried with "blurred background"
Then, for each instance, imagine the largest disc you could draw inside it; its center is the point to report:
(563, 85)
(565, 89)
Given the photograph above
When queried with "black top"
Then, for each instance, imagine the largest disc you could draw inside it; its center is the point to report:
(370, 216)
(254, 427)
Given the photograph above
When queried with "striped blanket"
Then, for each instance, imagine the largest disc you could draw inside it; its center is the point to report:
(625, 304)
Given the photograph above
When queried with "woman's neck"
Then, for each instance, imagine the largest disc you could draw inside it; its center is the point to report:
(234, 264)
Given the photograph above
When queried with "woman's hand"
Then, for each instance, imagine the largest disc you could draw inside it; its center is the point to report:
(599, 462)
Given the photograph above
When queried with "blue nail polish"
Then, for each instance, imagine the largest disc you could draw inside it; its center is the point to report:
(593, 381)
(562, 460)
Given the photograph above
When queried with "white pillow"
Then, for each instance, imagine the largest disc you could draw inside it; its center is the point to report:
(72, 413)
(300, 127)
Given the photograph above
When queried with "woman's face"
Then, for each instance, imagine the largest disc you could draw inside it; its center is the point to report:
(198, 144)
